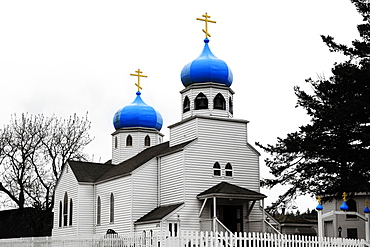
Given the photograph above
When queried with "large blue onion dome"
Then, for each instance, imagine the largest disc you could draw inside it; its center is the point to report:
(137, 114)
(206, 68)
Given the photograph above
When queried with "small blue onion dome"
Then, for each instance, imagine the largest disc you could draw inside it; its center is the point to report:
(344, 206)
(366, 210)
(137, 114)
(319, 207)
(206, 68)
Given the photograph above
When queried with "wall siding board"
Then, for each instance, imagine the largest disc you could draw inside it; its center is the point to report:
(67, 183)
(171, 174)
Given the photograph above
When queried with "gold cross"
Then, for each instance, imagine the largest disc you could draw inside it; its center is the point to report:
(319, 199)
(206, 21)
(138, 79)
(344, 196)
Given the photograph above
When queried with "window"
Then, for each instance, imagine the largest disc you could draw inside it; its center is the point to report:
(228, 170)
(65, 209)
(201, 102)
(60, 213)
(231, 110)
(352, 206)
(186, 105)
(173, 229)
(216, 169)
(147, 141)
(352, 233)
(98, 211)
(219, 102)
(115, 142)
(70, 211)
(111, 215)
(129, 141)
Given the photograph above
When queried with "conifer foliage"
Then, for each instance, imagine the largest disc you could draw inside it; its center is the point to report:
(331, 154)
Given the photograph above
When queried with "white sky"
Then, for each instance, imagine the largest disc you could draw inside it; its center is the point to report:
(66, 57)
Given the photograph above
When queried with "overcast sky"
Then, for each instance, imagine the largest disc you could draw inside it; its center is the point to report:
(66, 57)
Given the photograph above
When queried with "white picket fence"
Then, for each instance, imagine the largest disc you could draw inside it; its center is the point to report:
(185, 239)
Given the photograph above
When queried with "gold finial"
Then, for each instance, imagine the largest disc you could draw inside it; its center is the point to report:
(367, 203)
(344, 196)
(138, 79)
(319, 199)
(206, 21)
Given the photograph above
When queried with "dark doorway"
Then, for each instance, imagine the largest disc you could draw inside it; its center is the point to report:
(231, 216)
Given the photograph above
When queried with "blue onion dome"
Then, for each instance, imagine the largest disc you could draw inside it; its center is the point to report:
(206, 68)
(138, 114)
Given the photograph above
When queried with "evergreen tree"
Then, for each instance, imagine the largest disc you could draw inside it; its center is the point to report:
(331, 154)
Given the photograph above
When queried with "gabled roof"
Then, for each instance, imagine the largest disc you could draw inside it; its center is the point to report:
(88, 171)
(227, 190)
(158, 213)
(96, 172)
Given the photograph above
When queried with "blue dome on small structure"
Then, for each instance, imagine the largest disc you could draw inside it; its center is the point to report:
(138, 114)
(206, 68)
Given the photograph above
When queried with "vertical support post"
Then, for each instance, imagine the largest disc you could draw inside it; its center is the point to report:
(367, 228)
(214, 214)
(320, 226)
(263, 216)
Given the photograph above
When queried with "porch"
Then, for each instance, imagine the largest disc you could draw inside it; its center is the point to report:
(227, 208)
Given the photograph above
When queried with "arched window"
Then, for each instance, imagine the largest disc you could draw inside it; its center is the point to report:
(111, 214)
(65, 209)
(60, 213)
(201, 102)
(219, 102)
(129, 141)
(231, 110)
(70, 211)
(115, 142)
(352, 206)
(216, 169)
(98, 211)
(147, 141)
(228, 170)
(186, 105)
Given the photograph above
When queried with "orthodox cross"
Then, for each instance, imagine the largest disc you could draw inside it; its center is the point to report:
(206, 21)
(344, 196)
(319, 199)
(138, 79)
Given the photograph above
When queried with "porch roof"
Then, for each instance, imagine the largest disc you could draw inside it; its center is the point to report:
(227, 190)
(158, 213)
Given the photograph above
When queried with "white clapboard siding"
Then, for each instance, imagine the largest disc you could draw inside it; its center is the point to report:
(123, 152)
(85, 206)
(122, 191)
(172, 178)
(221, 141)
(66, 183)
(144, 188)
(183, 132)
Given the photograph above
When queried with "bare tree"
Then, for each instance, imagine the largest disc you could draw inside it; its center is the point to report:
(32, 152)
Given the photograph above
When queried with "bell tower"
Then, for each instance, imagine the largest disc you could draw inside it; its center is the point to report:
(207, 82)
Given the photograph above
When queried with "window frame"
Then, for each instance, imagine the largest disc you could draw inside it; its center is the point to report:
(129, 141)
(229, 170)
(201, 96)
(111, 208)
(220, 97)
(216, 169)
(98, 211)
(147, 141)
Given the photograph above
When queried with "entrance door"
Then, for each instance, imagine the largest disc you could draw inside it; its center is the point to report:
(232, 217)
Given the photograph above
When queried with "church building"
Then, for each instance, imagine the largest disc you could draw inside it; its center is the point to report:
(205, 178)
